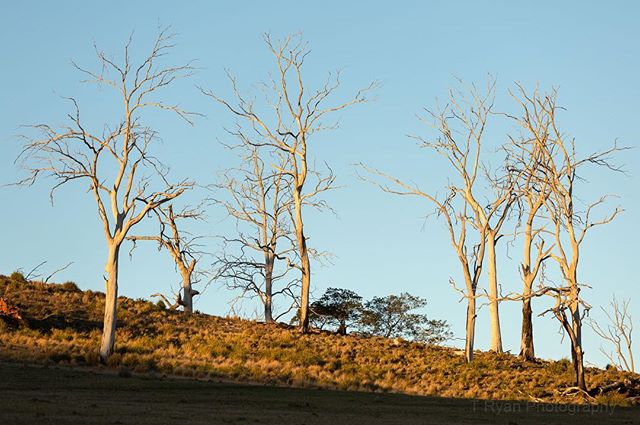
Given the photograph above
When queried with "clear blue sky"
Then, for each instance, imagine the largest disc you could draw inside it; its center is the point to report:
(589, 50)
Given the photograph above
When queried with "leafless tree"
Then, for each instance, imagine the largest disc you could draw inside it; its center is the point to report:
(295, 114)
(184, 250)
(568, 224)
(454, 211)
(259, 199)
(618, 333)
(460, 127)
(527, 159)
(125, 179)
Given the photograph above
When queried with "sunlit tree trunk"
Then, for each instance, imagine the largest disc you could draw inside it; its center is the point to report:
(470, 329)
(111, 302)
(305, 265)
(187, 289)
(492, 272)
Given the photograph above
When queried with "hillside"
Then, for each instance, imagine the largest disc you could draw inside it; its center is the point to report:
(62, 325)
(59, 395)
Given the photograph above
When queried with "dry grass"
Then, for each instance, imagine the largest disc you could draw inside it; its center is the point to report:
(63, 325)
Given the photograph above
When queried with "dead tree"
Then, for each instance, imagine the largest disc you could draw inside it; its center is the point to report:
(259, 200)
(294, 115)
(460, 127)
(183, 249)
(526, 159)
(618, 333)
(568, 222)
(115, 161)
(454, 211)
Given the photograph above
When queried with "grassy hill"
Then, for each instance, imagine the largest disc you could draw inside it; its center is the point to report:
(62, 325)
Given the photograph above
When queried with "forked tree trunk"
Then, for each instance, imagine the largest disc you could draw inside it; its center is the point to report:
(471, 329)
(527, 351)
(574, 330)
(494, 312)
(110, 303)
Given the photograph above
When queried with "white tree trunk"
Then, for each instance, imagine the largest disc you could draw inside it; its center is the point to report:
(471, 329)
(306, 284)
(110, 302)
(496, 336)
(305, 264)
(187, 292)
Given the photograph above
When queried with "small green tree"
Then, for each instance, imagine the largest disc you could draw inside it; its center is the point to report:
(338, 307)
(392, 317)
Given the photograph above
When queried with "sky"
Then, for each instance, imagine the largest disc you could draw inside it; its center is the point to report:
(381, 244)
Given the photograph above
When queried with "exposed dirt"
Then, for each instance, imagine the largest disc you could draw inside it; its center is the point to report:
(38, 395)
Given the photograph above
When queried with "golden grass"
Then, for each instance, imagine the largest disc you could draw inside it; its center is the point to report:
(63, 325)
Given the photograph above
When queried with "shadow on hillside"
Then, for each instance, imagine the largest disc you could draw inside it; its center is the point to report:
(58, 321)
(51, 396)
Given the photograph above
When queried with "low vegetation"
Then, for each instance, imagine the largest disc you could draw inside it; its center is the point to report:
(61, 324)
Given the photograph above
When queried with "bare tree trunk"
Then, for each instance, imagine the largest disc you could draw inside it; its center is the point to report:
(527, 351)
(577, 360)
(268, 289)
(187, 292)
(306, 284)
(471, 329)
(529, 273)
(496, 337)
(576, 349)
(305, 265)
(111, 301)
(574, 330)
(578, 366)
